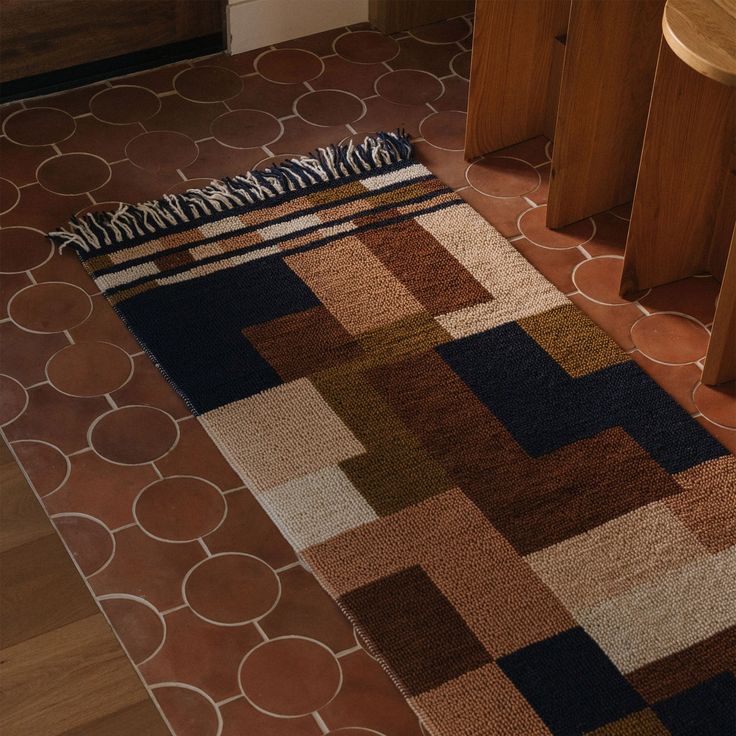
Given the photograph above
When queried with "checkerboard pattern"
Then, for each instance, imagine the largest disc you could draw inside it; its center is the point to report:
(530, 534)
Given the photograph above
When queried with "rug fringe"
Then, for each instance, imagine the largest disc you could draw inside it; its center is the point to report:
(105, 230)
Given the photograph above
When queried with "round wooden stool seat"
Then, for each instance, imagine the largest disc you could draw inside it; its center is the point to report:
(703, 34)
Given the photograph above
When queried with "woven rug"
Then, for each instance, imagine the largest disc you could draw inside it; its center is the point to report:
(531, 535)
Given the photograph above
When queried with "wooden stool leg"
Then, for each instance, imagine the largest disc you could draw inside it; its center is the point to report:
(604, 97)
(720, 363)
(681, 175)
(512, 57)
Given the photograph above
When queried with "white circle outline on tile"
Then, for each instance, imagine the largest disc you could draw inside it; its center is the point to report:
(409, 104)
(506, 196)
(207, 182)
(592, 299)
(94, 519)
(361, 643)
(171, 684)
(170, 132)
(331, 125)
(568, 247)
(412, 33)
(279, 156)
(352, 61)
(434, 145)
(34, 230)
(676, 314)
(25, 405)
(205, 66)
(214, 622)
(107, 90)
(548, 151)
(68, 465)
(91, 428)
(452, 65)
(74, 153)
(245, 148)
(147, 604)
(712, 421)
(39, 145)
(628, 219)
(17, 196)
(131, 369)
(47, 332)
(275, 81)
(179, 541)
(281, 638)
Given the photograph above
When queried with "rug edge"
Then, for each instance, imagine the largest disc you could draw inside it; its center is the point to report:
(103, 232)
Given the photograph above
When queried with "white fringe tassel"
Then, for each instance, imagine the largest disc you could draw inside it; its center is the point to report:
(106, 230)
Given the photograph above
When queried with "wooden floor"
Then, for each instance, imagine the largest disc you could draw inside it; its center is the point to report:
(62, 671)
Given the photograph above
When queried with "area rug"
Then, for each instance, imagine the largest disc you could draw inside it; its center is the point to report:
(531, 536)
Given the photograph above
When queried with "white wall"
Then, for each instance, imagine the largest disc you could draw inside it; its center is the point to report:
(256, 23)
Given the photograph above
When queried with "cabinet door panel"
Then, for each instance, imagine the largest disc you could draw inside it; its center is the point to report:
(38, 36)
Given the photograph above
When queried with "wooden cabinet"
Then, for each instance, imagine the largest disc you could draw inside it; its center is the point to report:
(40, 36)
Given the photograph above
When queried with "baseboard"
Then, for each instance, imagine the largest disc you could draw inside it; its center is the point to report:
(77, 76)
(256, 23)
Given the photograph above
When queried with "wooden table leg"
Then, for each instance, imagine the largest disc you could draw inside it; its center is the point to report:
(690, 130)
(610, 58)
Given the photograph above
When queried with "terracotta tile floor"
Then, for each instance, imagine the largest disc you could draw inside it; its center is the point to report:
(231, 633)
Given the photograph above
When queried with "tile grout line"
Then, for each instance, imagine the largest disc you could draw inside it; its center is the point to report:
(231, 699)
(204, 546)
(174, 609)
(346, 652)
(259, 629)
(279, 570)
(323, 727)
(584, 252)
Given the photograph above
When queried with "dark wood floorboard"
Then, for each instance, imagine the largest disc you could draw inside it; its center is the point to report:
(62, 671)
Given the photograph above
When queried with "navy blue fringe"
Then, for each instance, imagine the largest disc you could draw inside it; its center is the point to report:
(98, 232)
